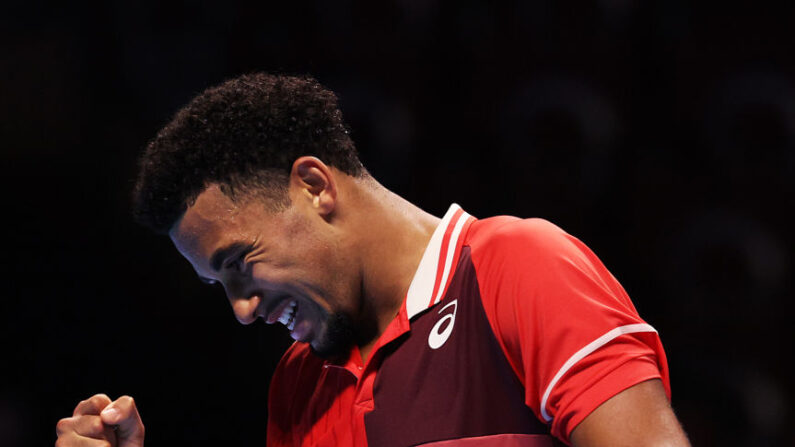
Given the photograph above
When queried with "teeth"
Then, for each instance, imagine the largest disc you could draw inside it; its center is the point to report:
(287, 317)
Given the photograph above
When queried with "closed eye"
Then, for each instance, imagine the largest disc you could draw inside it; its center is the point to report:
(238, 261)
(226, 256)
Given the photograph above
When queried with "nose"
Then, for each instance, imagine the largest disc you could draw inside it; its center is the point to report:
(245, 309)
(244, 305)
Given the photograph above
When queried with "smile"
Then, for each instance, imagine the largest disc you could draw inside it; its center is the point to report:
(297, 319)
(287, 316)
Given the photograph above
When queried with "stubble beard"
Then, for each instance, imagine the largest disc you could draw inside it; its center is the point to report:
(337, 339)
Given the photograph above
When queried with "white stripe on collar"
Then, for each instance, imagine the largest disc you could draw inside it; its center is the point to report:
(422, 286)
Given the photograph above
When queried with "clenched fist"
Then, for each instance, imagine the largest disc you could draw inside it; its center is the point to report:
(98, 422)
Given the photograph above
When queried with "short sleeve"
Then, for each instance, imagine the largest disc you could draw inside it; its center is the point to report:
(567, 327)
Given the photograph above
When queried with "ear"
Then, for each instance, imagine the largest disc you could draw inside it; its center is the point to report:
(313, 181)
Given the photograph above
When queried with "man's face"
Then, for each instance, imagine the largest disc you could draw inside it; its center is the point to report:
(286, 266)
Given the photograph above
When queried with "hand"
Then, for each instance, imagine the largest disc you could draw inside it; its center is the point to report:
(98, 422)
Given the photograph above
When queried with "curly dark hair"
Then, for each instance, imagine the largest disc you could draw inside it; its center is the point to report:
(243, 135)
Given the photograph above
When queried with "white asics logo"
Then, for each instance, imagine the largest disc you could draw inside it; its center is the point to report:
(436, 339)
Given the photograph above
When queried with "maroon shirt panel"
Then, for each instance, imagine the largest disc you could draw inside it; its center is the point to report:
(464, 388)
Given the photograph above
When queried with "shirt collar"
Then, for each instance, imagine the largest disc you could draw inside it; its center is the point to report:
(438, 262)
(428, 285)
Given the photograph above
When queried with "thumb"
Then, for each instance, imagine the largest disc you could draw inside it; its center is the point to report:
(123, 414)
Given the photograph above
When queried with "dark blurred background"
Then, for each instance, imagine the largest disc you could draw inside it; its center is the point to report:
(661, 133)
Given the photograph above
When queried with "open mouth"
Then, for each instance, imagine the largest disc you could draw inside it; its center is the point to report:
(288, 314)
(296, 318)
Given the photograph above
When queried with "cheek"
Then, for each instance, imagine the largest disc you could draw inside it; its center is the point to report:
(344, 281)
(288, 276)
(268, 275)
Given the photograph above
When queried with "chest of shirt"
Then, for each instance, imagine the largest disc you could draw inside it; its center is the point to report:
(444, 379)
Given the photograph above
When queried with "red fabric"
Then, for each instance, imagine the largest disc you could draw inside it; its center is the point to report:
(547, 296)
(317, 403)
(320, 421)
(443, 255)
(504, 440)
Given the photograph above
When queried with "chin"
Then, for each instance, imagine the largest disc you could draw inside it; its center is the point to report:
(337, 339)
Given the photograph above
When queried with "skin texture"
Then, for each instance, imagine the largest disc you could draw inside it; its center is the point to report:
(345, 247)
(292, 255)
(638, 416)
(98, 422)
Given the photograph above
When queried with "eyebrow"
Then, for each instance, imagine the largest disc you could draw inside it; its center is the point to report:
(220, 255)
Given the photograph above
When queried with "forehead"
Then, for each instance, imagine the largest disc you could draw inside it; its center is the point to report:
(213, 220)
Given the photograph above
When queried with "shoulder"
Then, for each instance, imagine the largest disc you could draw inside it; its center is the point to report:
(532, 245)
(532, 274)
(514, 234)
(498, 228)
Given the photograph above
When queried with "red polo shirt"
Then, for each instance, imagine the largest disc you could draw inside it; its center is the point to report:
(566, 328)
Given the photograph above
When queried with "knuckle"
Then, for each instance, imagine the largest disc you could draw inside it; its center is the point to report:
(62, 425)
(128, 401)
(96, 425)
(100, 400)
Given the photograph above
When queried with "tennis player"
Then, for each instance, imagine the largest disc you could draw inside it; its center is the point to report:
(410, 329)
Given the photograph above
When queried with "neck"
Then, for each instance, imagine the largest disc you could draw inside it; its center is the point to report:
(392, 235)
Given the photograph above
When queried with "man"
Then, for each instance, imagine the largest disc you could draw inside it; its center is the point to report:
(409, 329)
